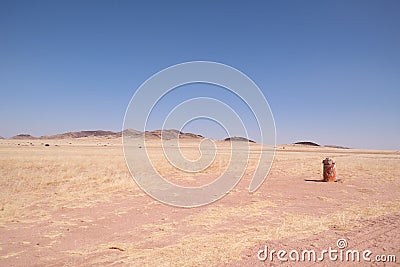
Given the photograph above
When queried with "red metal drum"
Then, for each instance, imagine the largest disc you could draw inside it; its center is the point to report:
(329, 170)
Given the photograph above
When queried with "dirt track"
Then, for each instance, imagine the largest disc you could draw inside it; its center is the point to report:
(380, 235)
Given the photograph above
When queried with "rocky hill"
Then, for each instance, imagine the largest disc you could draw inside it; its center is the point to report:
(166, 134)
(81, 134)
(171, 134)
(23, 137)
(306, 143)
(132, 133)
(236, 138)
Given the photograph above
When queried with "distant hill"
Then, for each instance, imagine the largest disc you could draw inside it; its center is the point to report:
(236, 138)
(1, 137)
(81, 134)
(170, 134)
(167, 134)
(306, 143)
(156, 134)
(132, 133)
(23, 137)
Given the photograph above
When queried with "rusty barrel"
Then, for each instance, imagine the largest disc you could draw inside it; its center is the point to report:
(329, 170)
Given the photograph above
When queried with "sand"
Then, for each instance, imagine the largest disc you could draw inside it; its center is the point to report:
(74, 203)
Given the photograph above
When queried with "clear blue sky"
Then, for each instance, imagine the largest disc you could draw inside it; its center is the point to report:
(329, 69)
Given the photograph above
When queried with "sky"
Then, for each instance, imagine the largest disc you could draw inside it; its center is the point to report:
(328, 69)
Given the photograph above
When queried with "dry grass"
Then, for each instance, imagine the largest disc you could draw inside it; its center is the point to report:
(35, 178)
(38, 181)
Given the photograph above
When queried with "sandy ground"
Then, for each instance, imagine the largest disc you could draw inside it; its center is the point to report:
(74, 203)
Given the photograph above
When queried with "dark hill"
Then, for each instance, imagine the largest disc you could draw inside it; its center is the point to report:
(23, 137)
(241, 139)
(306, 143)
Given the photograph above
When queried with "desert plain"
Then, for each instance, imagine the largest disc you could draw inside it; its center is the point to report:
(74, 203)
